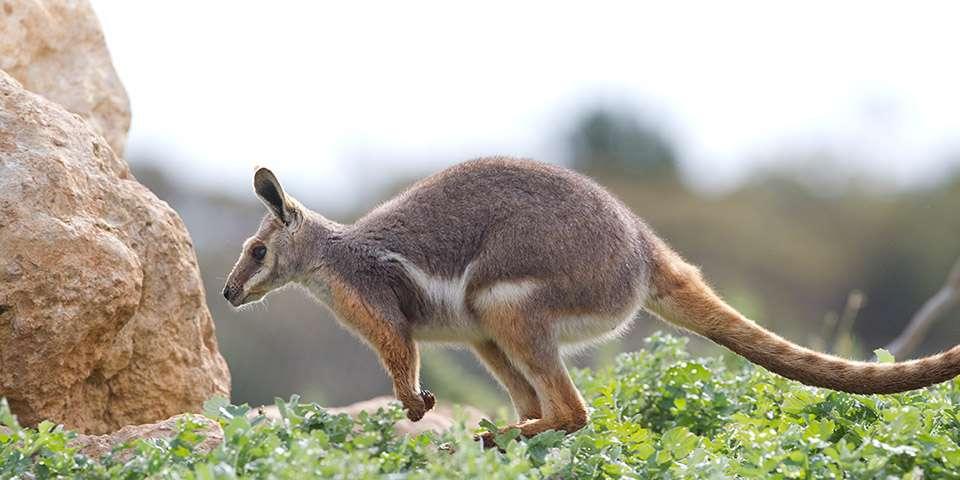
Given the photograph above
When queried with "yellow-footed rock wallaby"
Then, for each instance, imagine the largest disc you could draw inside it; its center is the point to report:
(519, 260)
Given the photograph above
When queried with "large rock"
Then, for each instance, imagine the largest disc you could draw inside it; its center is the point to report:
(102, 314)
(56, 48)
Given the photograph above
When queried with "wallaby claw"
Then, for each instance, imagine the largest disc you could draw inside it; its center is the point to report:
(428, 399)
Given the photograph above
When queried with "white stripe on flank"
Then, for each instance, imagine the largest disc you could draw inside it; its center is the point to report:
(453, 323)
(504, 294)
(445, 294)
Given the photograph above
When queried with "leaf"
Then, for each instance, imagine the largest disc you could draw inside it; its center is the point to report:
(489, 426)
(883, 356)
(504, 438)
(45, 427)
(679, 441)
(7, 419)
(540, 445)
(211, 407)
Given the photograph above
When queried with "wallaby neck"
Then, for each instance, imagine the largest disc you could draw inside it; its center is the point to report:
(322, 240)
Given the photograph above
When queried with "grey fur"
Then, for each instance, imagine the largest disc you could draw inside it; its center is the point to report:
(513, 219)
(513, 257)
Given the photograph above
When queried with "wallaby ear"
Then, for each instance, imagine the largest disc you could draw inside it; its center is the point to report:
(268, 188)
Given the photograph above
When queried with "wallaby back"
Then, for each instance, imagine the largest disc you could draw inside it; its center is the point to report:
(496, 221)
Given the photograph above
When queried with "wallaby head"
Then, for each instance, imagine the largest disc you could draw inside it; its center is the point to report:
(270, 258)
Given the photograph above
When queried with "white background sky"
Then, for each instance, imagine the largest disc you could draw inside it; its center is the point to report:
(338, 95)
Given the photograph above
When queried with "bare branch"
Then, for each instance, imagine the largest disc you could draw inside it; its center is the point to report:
(929, 313)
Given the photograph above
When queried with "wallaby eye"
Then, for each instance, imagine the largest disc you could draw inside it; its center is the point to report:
(258, 252)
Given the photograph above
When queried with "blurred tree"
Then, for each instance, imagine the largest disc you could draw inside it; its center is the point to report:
(608, 140)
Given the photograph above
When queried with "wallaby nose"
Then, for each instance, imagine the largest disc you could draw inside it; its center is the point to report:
(226, 292)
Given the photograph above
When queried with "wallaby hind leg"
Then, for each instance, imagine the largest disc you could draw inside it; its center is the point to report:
(524, 397)
(532, 347)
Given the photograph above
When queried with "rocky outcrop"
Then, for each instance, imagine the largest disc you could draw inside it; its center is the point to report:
(96, 446)
(56, 48)
(102, 314)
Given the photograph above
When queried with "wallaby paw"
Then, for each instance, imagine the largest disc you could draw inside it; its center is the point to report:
(428, 399)
(416, 407)
(415, 413)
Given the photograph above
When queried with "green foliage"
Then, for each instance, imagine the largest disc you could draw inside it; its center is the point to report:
(883, 356)
(657, 413)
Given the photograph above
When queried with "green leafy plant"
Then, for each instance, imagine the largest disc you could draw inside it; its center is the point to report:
(656, 413)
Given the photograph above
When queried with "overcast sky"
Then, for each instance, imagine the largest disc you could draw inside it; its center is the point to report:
(336, 96)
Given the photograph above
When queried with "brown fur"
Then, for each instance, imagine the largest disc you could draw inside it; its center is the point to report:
(522, 394)
(398, 352)
(518, 259)
(683, 298)
(525, 338)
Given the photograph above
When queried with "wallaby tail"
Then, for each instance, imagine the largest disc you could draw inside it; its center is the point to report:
(681, 297)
